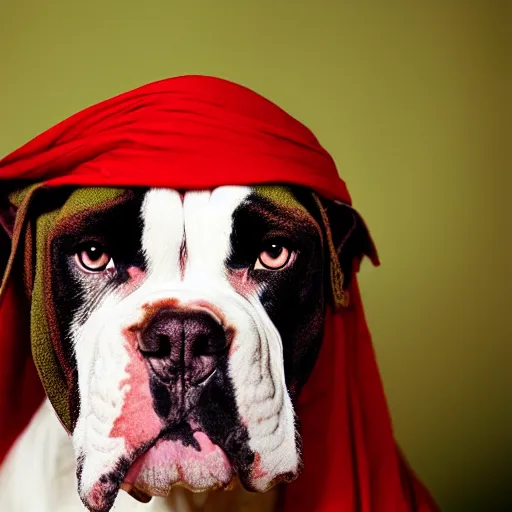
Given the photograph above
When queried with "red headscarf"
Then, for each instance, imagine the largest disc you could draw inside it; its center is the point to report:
(201, 132)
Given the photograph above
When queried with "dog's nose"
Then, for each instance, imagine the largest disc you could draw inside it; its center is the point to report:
(183, 345)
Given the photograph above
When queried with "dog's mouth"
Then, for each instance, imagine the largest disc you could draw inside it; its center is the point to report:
(184, 456)
(197, 464)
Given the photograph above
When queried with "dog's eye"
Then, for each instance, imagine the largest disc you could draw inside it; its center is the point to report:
(274, 256)
(92, 257)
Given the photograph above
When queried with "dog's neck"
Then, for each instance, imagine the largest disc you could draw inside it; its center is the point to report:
(39, 474)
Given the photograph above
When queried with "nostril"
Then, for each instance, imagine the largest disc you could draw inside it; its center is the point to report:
(155, 344)
(164, 343)
(209, 345)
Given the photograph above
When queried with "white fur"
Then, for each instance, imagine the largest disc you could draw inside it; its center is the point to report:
(101, 359)
(162, 214)
(262, 398)
(207, 229)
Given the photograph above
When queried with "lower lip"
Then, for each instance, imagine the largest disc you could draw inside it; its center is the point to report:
(170, 454)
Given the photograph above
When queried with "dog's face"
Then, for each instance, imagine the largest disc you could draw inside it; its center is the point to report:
(189, 322)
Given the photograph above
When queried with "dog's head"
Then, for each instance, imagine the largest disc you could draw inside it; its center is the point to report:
(184, 325)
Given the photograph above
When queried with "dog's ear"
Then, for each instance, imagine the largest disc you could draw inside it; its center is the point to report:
(348, 241)
(15, 234)
(351, 238)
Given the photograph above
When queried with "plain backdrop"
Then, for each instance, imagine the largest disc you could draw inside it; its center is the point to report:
(409, 97)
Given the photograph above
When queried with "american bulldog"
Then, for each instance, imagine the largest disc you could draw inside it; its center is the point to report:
(188, 322)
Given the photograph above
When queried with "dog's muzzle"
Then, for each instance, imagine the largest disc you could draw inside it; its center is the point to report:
(182, 349)
(182, 386)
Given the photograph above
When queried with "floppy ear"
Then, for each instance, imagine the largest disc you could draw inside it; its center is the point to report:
(348, 241)
(351, 239)
(16, 237)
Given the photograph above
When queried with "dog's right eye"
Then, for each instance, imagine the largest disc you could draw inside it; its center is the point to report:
(92, 257)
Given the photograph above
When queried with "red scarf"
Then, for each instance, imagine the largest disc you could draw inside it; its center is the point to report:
(201, 132)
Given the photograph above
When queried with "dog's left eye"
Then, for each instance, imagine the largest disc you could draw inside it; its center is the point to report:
(274, 256)
(93, 257)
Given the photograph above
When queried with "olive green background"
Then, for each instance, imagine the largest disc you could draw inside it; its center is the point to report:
(409, 97)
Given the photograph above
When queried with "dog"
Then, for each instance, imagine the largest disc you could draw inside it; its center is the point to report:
(188, 321)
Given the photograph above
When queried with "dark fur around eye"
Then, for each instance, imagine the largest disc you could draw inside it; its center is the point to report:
(117, 230)
(258, 224)
(293, 297)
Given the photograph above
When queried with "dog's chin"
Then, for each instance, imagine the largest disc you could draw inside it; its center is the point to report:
(199, 466)
(167, 463)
